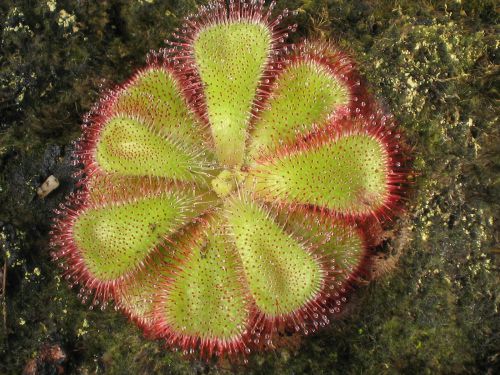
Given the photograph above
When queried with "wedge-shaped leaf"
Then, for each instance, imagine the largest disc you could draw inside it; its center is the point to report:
(137, 295)
(155, 95)
(347, 173)
(129, 147)
(231, 58)
(107, 188)
(340, 245)
(115, 239)
(206, 298)
(281, 274)
(306, 93)
(344, 248)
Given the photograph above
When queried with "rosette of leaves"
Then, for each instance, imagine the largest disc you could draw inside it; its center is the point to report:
(229, 187)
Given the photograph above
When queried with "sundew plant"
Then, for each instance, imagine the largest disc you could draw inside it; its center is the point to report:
(232, 188)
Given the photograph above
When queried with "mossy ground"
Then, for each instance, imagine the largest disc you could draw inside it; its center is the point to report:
(435, 66)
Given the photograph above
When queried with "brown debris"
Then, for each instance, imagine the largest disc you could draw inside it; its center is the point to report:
(50, 184)
(49, 361)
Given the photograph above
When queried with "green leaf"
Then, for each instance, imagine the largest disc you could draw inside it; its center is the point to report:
(155, 96)
(281, 275)
(306, 93)
(231, 58)
(207, 298)
(339, 244)
(347, 174)
(138, 294)
(131, 148)
(113, 240)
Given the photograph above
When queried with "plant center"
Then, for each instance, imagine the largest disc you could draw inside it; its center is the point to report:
(227, 181)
